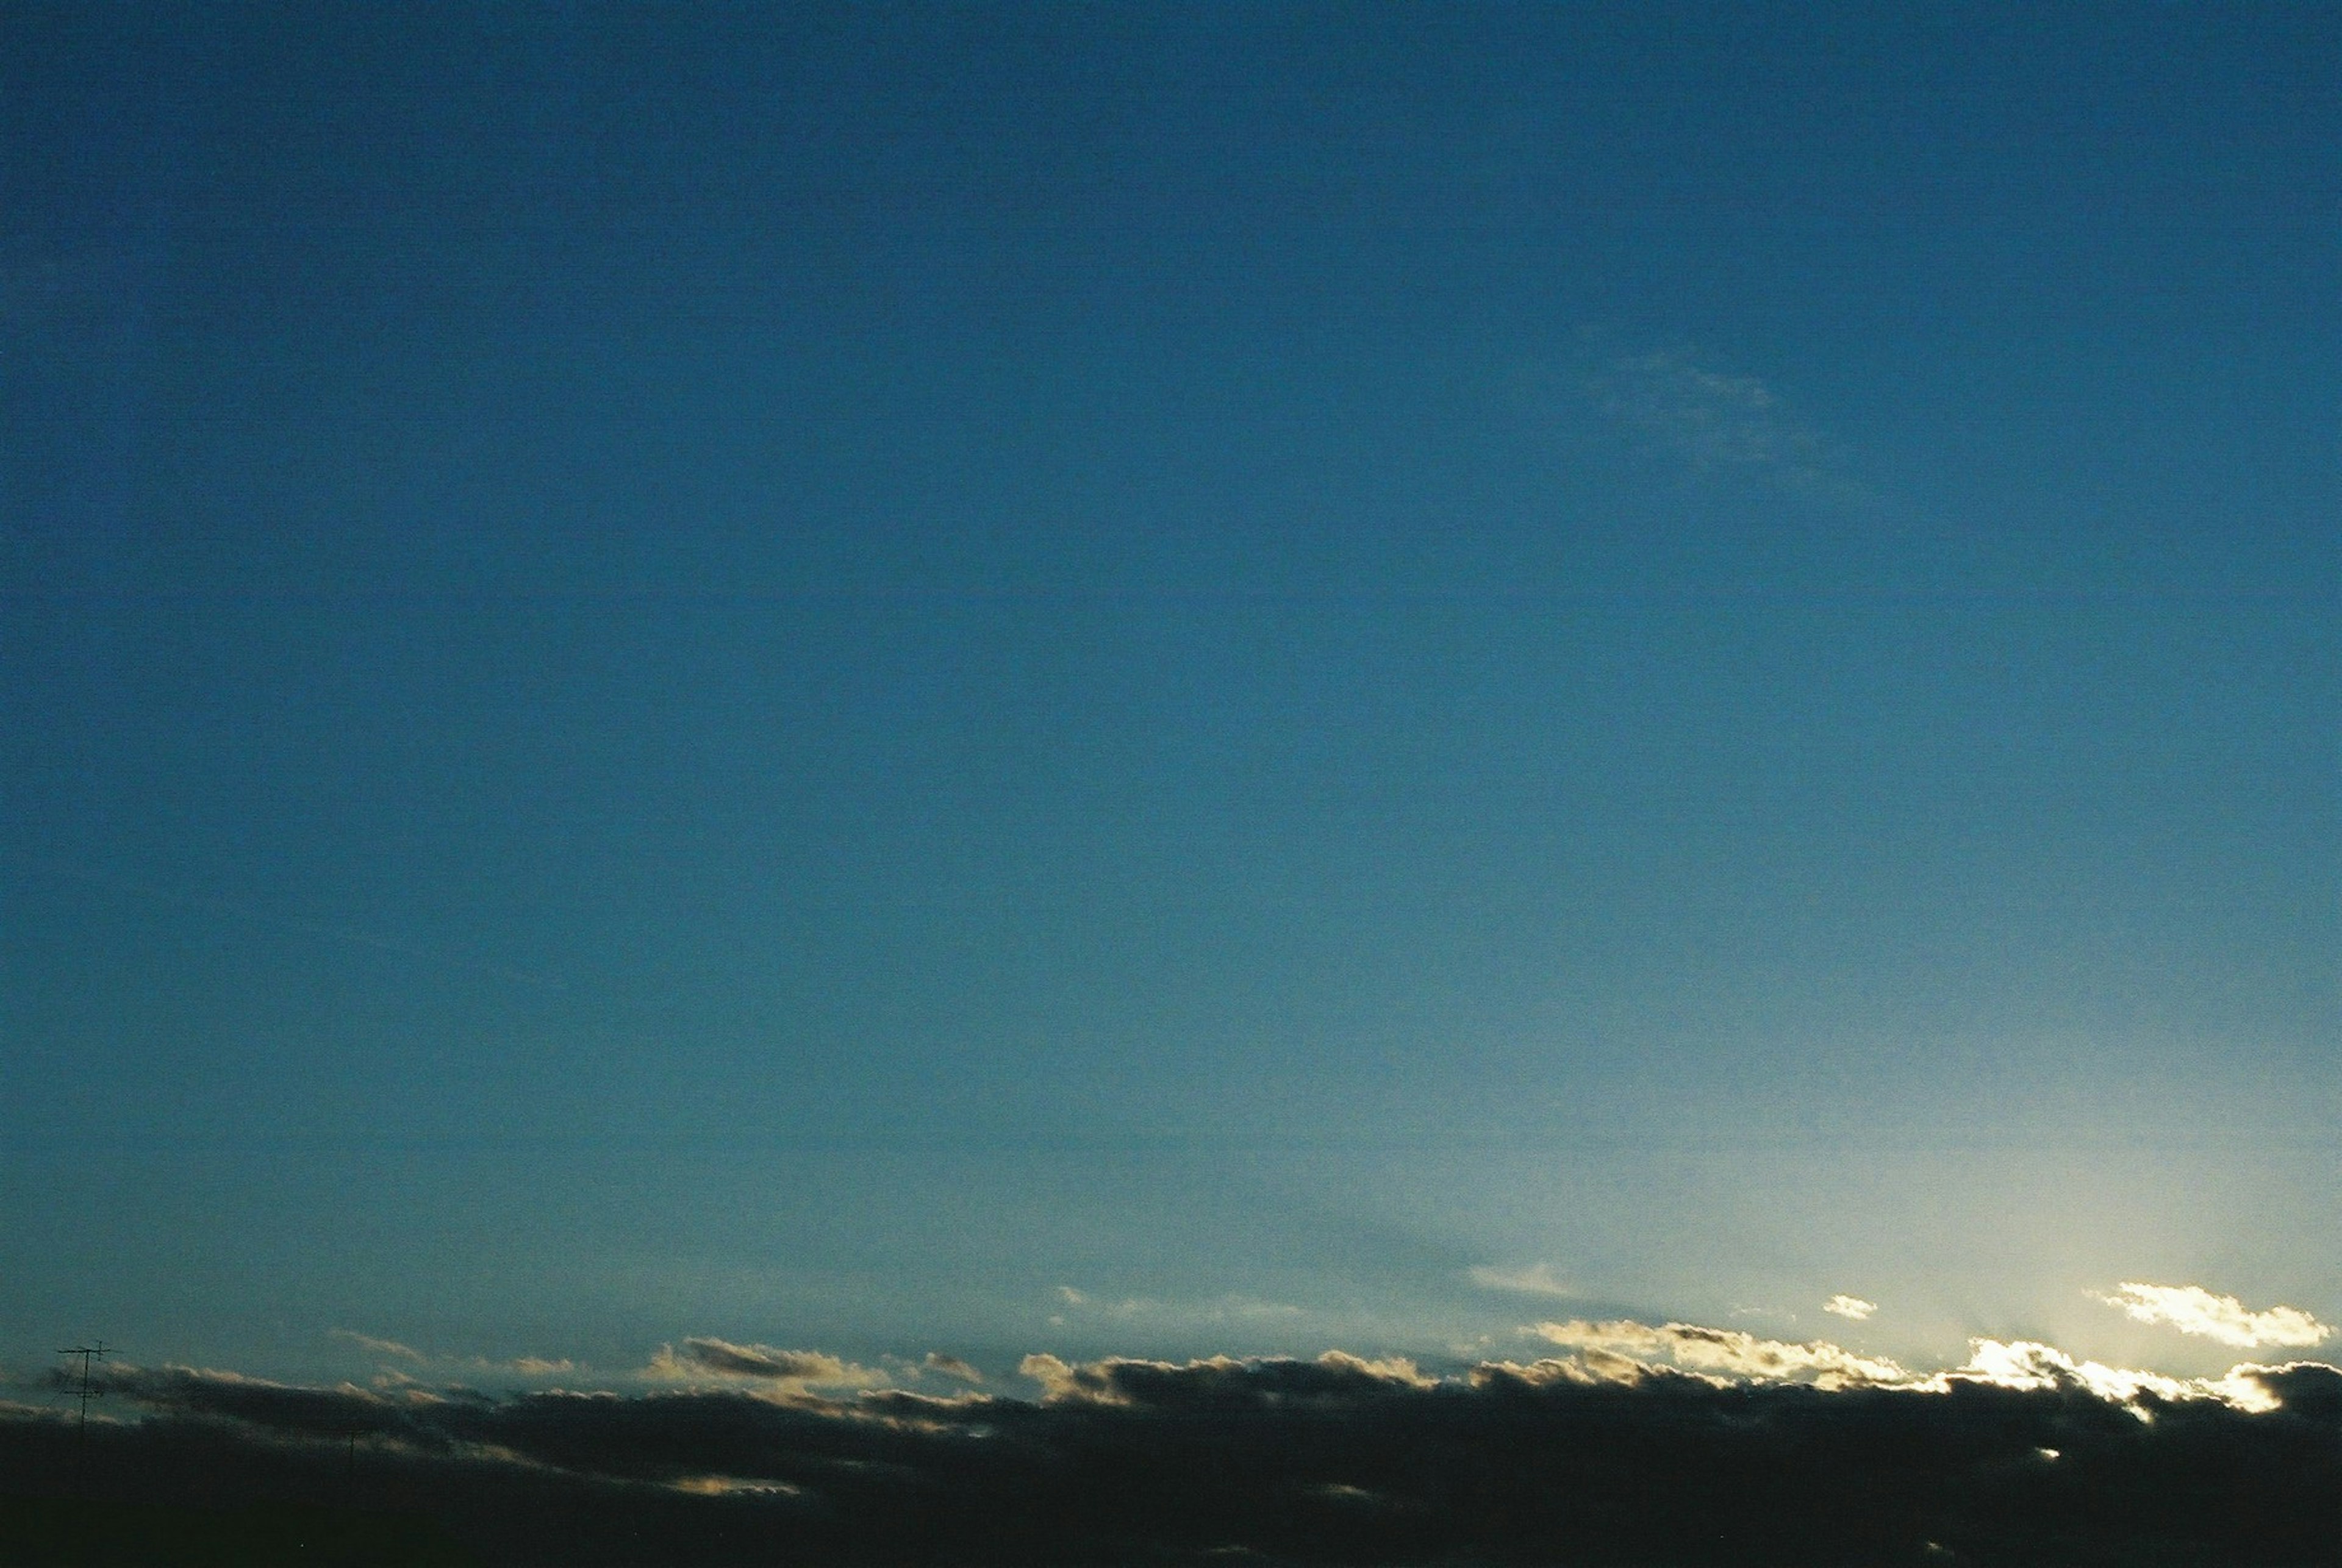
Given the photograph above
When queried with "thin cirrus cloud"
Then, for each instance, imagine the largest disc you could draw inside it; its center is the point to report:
(1224, 1309)
(1712, 421)
(1341, 1458)
(524, 1365)
(367, 1342)
(1536, 1280)
(2193, 1309)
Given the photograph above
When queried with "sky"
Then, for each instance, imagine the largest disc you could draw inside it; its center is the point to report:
(1075, 682)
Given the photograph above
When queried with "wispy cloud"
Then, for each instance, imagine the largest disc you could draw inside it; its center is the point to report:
(1713, 420)
(1231, 1308)
(266, 918)
(522, 1365)
(1536, 1280)
(2192, 1308)
(539, 1366)
(1849, 1306)
(367, 1342)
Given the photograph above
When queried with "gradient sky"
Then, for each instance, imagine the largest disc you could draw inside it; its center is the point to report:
(1096, 678)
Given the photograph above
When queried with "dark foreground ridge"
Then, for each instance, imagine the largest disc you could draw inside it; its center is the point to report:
(104, 1535)
(1330, 1461)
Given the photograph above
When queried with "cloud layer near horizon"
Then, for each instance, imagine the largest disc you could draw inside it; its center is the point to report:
(1744, 1451)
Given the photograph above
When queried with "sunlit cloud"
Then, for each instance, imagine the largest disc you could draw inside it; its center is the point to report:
(1536, 1280)
(1336, 1377)
(2031, 1366)
(521, 1365)
(2193, 1309)
(1849, 1306)
(735, 1486)
(701, 1355)
(1616, 1347)
(1627, 1352)
(540, 1366)
(1256, 1456)
(367, 1342)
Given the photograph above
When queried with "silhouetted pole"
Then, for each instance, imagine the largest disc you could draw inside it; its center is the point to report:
(88, 1353)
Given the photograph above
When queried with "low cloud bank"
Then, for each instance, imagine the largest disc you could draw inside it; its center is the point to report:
(1660, 1444)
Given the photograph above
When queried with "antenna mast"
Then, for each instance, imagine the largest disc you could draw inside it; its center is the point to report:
(94, 1351)
(88, 1394)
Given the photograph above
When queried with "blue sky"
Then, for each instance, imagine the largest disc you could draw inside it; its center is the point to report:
(1098, 678)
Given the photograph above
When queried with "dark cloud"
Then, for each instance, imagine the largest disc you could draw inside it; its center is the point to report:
(952, 1366)
(763, 1361)
(1339, 1460)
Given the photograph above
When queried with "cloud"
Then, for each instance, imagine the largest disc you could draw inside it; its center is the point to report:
(522, 1365)
(1339, 1458)
(540, 1366)
(1709, 417)
(763, 1361)
(1335, 1375)
(2030, 1364)
(1849, 1306)
(1624, 1348)
(2193, 1309)
(1229, 1308)
(795, 1367)
(951, 1366)
(1713, 421)
(1536, 1280)
(379, 1346)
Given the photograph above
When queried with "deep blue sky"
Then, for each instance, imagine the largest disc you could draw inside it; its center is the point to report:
(802, 673)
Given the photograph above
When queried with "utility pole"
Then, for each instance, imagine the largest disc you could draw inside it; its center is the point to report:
(94, 1351)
